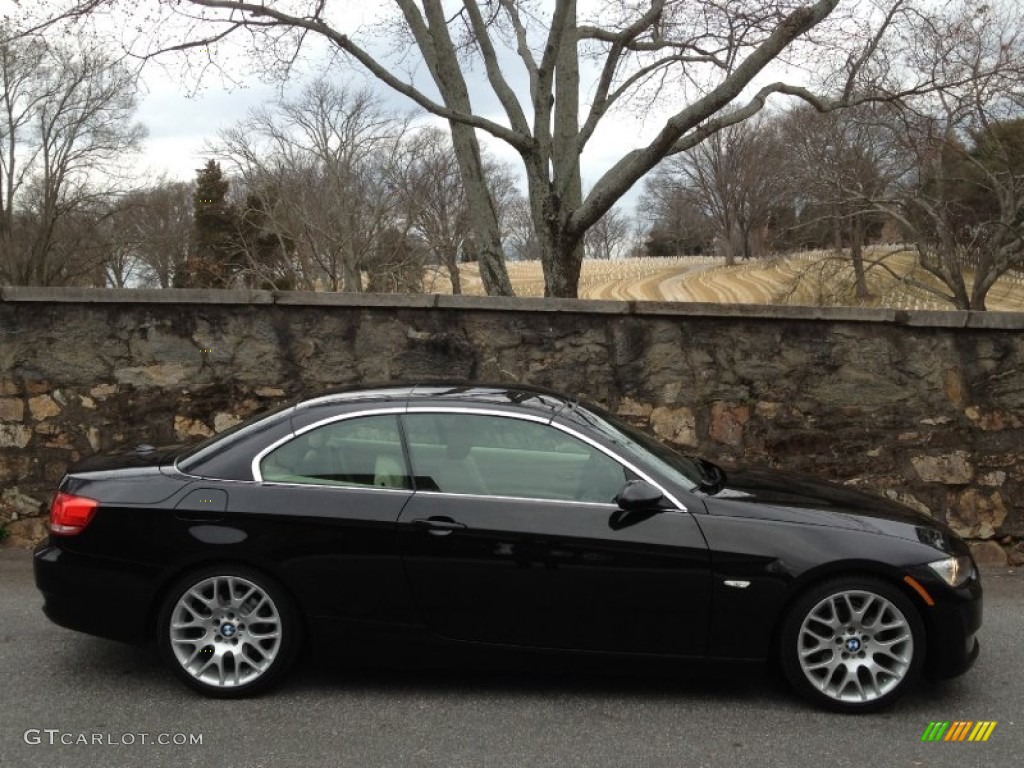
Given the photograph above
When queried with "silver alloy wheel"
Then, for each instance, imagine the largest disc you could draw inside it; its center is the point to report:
(225, 631)
(855, 646)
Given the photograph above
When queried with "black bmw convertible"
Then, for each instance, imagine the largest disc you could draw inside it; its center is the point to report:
(502, 519)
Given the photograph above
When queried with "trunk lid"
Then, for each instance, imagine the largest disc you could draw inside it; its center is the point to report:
(130, 457)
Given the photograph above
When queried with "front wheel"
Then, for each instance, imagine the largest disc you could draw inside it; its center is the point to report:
(227, 631)
(852, 644)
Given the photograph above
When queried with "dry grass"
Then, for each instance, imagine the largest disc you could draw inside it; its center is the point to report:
(816, 278)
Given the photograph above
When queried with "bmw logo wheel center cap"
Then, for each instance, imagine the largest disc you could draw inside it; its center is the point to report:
(227, 629)
(853, 645)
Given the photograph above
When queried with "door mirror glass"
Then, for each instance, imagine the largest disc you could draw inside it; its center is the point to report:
(638, 495)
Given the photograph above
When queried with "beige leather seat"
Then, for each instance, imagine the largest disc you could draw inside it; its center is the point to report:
(457, 472)
(388, 472)
(319, 461)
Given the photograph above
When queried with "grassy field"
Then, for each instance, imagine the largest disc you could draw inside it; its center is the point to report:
(814, 278)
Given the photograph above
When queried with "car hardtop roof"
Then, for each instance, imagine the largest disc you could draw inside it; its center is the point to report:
(523, 395)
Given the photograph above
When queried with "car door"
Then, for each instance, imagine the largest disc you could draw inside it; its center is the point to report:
(512, 536)
(326, 501)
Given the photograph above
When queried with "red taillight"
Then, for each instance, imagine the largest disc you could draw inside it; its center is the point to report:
(70, 514)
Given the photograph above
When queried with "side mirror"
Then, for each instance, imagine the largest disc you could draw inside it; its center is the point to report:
(713, 479)
(638, 496)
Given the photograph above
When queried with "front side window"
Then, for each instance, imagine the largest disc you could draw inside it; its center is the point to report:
(681, 469)
(363, 451)
(501, 456)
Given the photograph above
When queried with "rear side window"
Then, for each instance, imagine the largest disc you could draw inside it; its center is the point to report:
(209, 457)
(499, 456)
(363, 451)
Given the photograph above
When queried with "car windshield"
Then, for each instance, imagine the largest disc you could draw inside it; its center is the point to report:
(682, 469)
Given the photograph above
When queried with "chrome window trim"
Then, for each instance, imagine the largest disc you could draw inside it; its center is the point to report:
(353, 487)
(532, 499)
(403, 409)
(355, 396)
(298, 485)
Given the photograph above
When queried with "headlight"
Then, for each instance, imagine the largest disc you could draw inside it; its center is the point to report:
(953, 570)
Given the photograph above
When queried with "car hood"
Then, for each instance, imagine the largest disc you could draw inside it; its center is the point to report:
(129, 457)
(794, 498)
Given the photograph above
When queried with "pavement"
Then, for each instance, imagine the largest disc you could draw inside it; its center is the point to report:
(110, 704)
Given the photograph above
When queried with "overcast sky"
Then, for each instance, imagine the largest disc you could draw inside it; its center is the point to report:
(181, 119)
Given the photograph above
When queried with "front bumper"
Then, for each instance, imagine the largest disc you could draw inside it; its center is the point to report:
(953, 623)
(94, 595)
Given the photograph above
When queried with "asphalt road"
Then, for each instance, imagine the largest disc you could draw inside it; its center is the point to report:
(82, 688)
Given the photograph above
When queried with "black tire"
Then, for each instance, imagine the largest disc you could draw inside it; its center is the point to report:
(852, 644)
(239, 644)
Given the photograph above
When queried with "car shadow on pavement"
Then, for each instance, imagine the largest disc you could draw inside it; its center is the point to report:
(745, 686)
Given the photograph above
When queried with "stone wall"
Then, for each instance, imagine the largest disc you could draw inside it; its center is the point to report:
(926, 407)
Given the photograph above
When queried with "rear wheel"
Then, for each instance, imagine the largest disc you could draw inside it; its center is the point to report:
(228, 631)
(852, 644)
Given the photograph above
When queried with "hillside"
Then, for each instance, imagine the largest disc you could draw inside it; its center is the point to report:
(814, 278)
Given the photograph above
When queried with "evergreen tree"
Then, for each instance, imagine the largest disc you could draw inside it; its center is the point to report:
(216, 256)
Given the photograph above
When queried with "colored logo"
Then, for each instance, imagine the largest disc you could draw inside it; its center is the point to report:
(959, 730)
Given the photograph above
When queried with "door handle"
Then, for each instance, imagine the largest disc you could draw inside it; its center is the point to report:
(438, 526)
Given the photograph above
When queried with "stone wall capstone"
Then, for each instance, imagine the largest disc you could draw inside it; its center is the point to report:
(924, 407)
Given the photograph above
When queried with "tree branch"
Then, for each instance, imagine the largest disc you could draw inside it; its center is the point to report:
(635, 164)
(375, 68)
(505, 94)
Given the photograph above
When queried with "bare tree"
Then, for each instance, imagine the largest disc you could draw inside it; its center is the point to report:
(428, 179)
(695, 60)
(610, 236)
(520, 236)
(65, 131)
(395, 265)
(320, 166)
(121, 265)
(840, 161)
(159, 219)
(672, 220)
(736, 177)
(962, 208)
(957, 167)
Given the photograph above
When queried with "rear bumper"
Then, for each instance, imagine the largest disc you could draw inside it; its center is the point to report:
(94, 595)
